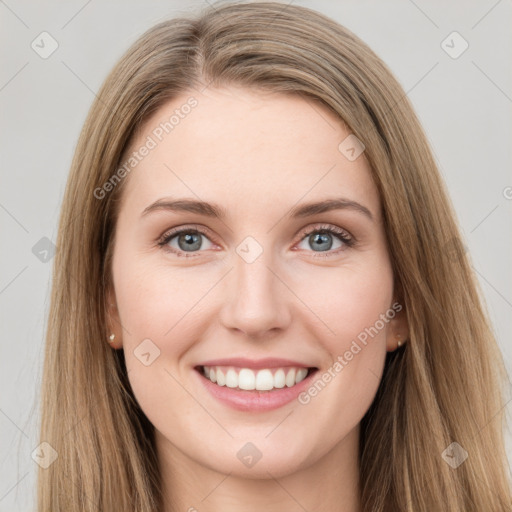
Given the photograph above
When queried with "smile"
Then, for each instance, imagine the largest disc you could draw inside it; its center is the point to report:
(265, 379)
(254, 390)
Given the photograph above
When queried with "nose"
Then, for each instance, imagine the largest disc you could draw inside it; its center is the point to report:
(256, 298)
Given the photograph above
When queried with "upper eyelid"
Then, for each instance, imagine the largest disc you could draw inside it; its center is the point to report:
(171, 233)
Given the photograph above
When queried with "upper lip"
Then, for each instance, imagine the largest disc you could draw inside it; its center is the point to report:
(242, 362)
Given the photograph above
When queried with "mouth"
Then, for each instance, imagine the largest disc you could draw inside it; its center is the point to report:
(252, 380)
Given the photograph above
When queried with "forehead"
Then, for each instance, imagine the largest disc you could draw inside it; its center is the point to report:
(244, 147)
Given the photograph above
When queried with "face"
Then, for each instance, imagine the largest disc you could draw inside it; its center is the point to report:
(254, 276)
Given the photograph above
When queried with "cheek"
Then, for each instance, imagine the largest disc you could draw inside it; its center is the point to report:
(158, 302)
(355, 303)
(349, 300)
(162, 316)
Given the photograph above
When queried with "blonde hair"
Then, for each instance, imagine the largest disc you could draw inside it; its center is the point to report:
(444, 385)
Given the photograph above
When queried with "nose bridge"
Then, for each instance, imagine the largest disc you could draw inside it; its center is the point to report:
(254, 280)
(256, 302)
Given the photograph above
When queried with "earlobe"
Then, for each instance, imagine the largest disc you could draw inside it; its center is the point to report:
(111, 338)
(112, 322)
(114, 333)
(398, 331)
(395, 341)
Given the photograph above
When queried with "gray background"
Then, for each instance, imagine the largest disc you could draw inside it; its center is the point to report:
(464, 103)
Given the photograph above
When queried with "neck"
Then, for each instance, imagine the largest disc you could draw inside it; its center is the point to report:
(193, 487)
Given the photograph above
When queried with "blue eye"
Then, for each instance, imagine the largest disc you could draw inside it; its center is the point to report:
(321, 238)
(189, 240)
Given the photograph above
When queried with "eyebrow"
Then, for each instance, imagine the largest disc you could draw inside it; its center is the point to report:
(216, 211)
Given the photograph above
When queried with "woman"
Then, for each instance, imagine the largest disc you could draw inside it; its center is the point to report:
(260, 296)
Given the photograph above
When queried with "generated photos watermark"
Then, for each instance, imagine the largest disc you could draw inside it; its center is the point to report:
(344, 359)
(151, 142)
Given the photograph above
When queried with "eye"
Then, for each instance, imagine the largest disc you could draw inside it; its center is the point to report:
(184, 240)
(321, 238)
(187, 240)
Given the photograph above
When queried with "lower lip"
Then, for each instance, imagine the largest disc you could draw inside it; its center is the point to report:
(255, 401)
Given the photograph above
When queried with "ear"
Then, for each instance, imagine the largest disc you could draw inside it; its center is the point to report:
(398, 327)
(112, 320)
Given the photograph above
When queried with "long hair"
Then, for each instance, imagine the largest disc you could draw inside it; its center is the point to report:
(444, 385)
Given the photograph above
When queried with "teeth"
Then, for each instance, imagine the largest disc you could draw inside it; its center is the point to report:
(261, 380)
(280, 378)
(264, 380)
(231, 379)
(290, 378)
(221, 379)
(246, 379)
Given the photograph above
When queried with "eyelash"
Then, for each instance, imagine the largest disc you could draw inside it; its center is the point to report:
(343, 235)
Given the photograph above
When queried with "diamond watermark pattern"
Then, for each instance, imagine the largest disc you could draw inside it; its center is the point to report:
(44, 45)
(44, 455)
(454, 455)
(249, 455)
(249, 249)
(146, 352)
(454, 45)
(44, 250)
(351, 147)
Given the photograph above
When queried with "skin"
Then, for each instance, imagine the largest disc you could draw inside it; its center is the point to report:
(256, 154)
